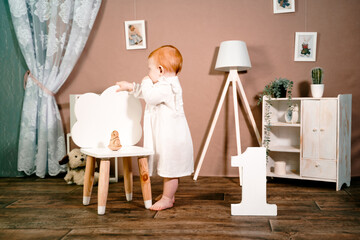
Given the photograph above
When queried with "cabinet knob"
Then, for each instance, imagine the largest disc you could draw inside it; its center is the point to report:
(321, 130)
(317, 165)
(314, 130)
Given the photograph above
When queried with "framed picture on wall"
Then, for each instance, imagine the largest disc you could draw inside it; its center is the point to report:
(135, 34)
(284, 6)
(305, 46)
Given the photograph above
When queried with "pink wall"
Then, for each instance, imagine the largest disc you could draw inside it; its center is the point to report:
(197, 28)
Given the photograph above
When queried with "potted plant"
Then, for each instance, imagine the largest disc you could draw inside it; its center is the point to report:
(317, 86)
(275, 89)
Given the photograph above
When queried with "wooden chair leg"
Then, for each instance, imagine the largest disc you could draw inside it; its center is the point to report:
(88, 179)
(103, 186)
(145, 181)
(128, 178)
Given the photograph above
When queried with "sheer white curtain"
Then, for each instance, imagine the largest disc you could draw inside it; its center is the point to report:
(51, 35)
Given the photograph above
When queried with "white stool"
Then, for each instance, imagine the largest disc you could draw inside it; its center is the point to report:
(125, 153)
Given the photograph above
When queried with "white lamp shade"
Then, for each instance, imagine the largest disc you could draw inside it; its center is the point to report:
(233, 55)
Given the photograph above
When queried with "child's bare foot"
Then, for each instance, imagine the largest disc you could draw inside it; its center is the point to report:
(160, 196)
(162, 204)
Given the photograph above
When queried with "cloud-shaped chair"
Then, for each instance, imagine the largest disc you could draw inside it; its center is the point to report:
(97, 116)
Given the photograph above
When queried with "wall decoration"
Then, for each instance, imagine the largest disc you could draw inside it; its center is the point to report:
(305, 46)
(135, 34)
(284, 6)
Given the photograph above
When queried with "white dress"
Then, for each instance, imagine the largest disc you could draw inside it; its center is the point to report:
(165, 127)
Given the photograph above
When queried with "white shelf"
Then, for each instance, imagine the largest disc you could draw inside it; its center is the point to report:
(332, 143)
(283, 124)
(285, 149)
(288, 174)
(300, 98)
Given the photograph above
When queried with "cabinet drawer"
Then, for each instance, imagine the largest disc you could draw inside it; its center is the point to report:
(325, 169)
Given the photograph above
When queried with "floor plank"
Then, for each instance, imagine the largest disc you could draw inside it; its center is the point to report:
(34, 208)
(33, 234)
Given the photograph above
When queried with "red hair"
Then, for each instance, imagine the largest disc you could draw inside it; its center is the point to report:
(169, 57)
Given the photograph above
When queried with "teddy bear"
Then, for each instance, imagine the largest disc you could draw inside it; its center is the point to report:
(76, 167)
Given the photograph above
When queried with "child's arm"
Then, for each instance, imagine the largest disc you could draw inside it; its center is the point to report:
(153, 94)
(125, 86)
(130, 35)
(137, 32)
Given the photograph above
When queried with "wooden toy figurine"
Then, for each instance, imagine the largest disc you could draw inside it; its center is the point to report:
(114, 141)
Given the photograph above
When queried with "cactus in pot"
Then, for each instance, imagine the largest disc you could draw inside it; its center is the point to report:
(317, 75)
(317, 86)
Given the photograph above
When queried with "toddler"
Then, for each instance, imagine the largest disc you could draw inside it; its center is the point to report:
(165, 127)
(134, 35)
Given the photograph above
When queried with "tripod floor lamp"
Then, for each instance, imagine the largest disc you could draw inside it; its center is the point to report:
(233, 57)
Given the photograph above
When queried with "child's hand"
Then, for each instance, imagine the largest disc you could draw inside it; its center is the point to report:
(124, 86)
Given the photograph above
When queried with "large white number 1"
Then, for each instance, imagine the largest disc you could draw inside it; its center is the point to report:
(253, 163)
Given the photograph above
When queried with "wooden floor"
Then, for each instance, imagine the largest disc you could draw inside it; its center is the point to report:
(33, 208)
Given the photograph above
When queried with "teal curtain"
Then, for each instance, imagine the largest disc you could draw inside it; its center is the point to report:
(51, 36)
(12, 69)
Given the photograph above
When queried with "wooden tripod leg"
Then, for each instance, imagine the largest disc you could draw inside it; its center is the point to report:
(248, 110)
(103, 186)
(88, 179)
(145, 181)
(212, 128)
(128, 178)
(233, 75)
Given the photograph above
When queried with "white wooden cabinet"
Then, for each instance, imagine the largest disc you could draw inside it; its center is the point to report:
(318, 146)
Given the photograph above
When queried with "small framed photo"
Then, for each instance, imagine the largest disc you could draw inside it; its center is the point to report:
(284, 6)
(135, 34)
(305, 46)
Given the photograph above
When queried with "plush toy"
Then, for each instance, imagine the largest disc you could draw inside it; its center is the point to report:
(76, 167)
